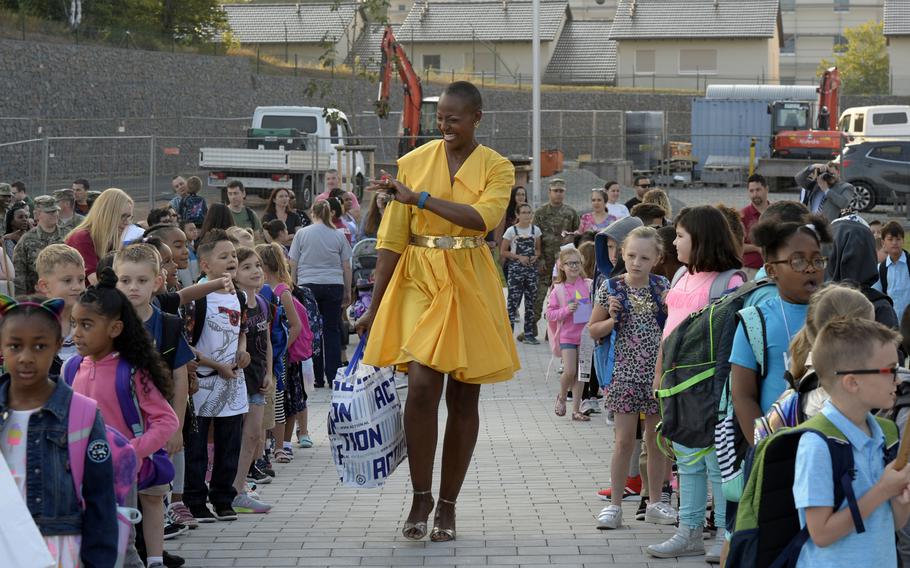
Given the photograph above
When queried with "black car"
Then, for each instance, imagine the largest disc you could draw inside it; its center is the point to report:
(876, 169)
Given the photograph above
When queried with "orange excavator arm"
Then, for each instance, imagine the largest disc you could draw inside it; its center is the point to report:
(394, 55)
(829, 99)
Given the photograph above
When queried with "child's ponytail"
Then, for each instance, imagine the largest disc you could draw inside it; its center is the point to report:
(134, 344)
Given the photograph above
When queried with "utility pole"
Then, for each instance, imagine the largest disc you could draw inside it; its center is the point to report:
(535, 103)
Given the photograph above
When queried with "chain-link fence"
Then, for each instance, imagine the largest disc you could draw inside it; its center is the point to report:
(585, 147)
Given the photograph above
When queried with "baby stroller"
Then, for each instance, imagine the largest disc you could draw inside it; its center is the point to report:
(363, 263)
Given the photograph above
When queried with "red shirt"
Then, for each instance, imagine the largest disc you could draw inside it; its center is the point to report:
(750, 215)
(82, 242)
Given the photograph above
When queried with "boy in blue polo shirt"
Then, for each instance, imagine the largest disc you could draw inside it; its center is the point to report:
(856, 362)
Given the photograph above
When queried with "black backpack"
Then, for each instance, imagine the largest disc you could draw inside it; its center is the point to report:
(696, 369)
(192, 208)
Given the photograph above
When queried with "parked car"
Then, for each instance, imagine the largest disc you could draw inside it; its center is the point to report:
(876, 169)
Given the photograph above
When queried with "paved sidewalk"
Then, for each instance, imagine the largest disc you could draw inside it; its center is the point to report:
(529, 499)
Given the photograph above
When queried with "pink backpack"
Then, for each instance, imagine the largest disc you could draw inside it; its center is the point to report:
(555, 327)
(123, 456)
(302, 348)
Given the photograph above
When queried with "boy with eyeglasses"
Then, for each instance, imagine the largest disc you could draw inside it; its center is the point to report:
(856, 363)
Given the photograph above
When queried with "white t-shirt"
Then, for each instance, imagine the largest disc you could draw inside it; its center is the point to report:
(515, 231)
(617, 211)
(218, 397)
(14, 446)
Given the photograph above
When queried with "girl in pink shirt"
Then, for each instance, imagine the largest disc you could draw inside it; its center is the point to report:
(571, 290)
(107, 330)
(706, 246)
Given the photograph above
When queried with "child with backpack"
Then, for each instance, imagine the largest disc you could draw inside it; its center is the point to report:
(633, 307)
(189, 274)
(706, 247)
(192, 207)
(287, 327)
(835, 497)
(571, 290)
(893, 271)
(118, 355)
(78, 523)
(258, 376)
(794, 261)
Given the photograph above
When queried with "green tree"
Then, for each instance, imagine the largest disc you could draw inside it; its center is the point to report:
(187, 21)
(863, 62)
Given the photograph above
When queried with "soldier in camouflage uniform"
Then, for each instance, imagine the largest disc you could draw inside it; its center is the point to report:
(554, 219)
(47, 232)
(67, 219)
(6, 197)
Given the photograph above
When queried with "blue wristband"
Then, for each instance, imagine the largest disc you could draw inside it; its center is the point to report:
(423, 199)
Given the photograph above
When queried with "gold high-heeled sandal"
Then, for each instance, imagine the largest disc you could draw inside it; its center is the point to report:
(421, 526)
(443, 535)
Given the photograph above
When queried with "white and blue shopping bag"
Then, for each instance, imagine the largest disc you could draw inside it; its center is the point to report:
(365, 425)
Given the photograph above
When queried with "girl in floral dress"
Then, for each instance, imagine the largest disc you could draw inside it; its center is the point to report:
(632, 308)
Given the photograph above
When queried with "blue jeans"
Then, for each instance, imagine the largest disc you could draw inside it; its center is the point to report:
(693, 487)
(328, 297)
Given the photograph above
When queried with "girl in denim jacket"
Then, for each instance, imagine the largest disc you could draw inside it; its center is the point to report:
(34, 413)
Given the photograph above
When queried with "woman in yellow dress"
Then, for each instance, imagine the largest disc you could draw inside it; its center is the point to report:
(438, 306)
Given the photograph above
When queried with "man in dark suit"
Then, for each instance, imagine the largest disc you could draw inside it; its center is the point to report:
(823, 192)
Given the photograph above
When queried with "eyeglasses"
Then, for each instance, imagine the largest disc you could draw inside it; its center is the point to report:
(886, 371)
(801, 263)
(571, 263)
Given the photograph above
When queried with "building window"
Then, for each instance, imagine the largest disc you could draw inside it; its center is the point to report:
(692, 61)
(789, 47)
(402, 7)
(644, 62)
(788, 5)
(432, 62)
(840, 43)
(841, 5)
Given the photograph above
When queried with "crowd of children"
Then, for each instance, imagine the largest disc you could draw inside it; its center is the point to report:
(196, 379)
(196, 357)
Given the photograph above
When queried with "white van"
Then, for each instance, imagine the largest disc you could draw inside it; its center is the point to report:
(876, 122)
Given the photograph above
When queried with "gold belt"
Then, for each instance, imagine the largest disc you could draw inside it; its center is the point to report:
(450, 243)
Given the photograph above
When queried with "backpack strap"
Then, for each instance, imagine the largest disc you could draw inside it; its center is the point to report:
(883, 275)
(655, 289)
(70, 368)
(756, 333)
(251, 218)
(678, 276)
(721, 283)
(200, 307)
(126, 397)
(892, 437)
(80, 422)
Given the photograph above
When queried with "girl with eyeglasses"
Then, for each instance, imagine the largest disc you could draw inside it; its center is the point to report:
(571, 290)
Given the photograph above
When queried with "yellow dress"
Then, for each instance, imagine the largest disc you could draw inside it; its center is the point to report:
(445, 308)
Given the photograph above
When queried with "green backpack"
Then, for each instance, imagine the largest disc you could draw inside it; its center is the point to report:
(767, 532)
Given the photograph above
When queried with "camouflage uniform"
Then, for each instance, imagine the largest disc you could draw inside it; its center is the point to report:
(6, 190)
(66, 194)
(70, 224)
(26, 252)
(552, 222)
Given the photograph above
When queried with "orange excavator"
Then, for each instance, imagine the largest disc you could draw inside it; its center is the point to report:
(419, 113)
(823, 142)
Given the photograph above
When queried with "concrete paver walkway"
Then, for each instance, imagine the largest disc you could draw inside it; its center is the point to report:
(529, 498)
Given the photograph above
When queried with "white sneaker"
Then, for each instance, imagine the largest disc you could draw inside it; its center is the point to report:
(588, 406)
(610, 518)
(660, 514)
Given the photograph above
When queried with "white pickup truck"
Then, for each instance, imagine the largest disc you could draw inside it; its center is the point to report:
(287, 146)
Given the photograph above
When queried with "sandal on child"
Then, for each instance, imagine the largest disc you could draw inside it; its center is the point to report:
(418, 530)
(443, 535)
(560, 409)
(579, 417)
(281, 456)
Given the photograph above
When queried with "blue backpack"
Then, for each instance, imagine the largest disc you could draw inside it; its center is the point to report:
(193, 208)
(156, 469)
